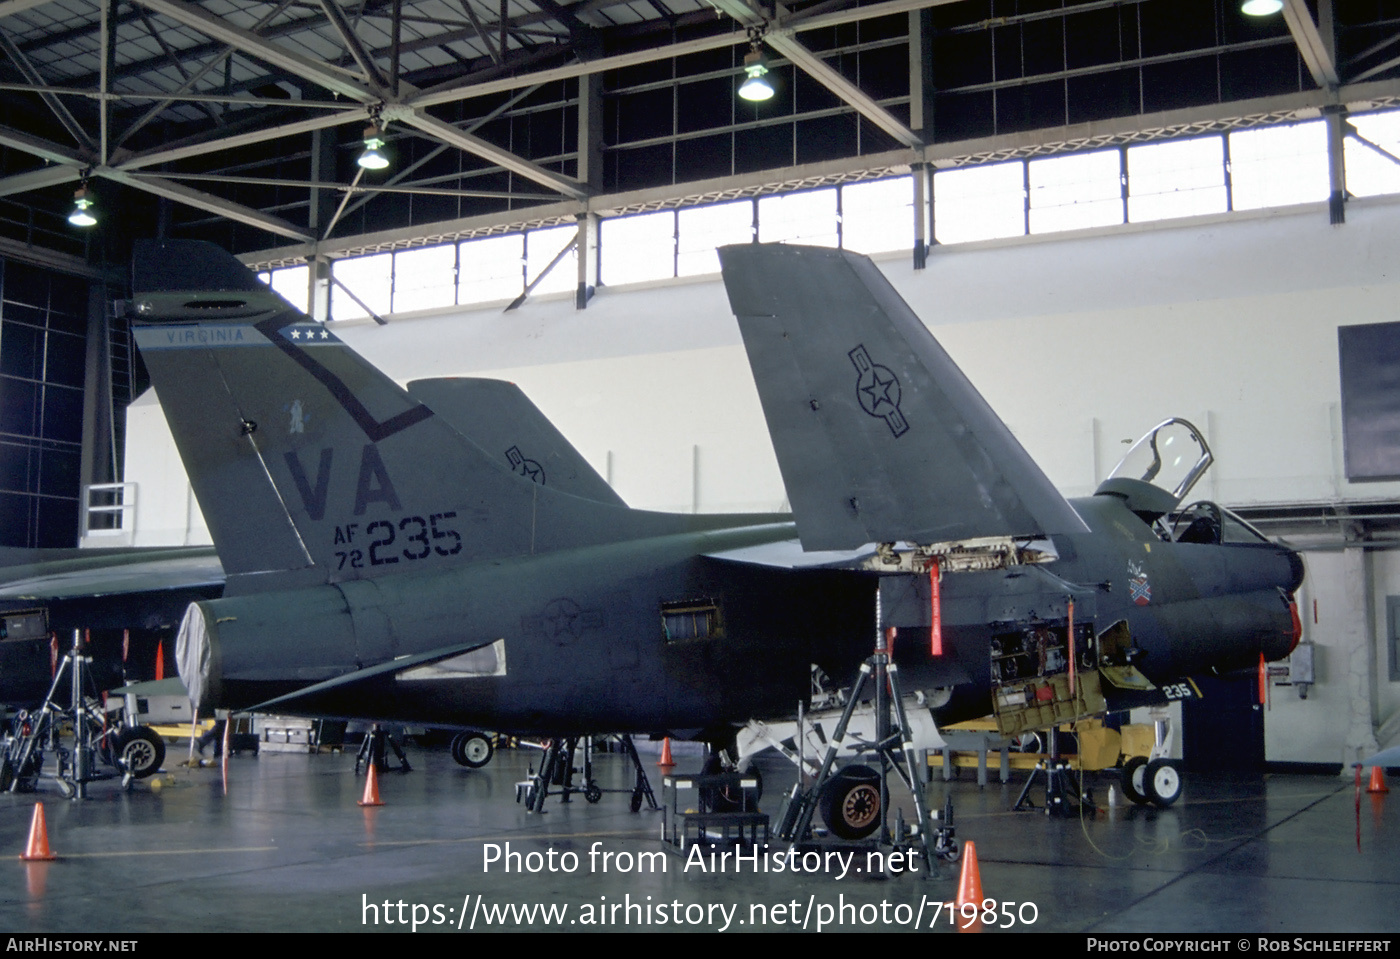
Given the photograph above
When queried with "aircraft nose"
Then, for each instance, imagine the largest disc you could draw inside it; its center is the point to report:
(1296, 570)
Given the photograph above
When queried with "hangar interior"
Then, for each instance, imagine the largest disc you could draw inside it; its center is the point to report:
(1108, 211)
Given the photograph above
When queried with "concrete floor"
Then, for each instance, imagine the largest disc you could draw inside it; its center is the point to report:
(288, 849)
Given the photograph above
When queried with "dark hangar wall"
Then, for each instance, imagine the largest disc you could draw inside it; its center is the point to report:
(43, 341)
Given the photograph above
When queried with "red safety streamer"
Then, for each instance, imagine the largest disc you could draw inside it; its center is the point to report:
(935, 631)
(1263, 681)
(1072, 675)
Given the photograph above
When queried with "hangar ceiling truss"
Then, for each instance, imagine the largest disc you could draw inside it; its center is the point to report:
(244, 117)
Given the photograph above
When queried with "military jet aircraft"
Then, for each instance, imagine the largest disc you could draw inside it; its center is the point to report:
(382, 565)
(129, 600)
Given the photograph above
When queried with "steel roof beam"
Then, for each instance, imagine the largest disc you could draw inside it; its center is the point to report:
(1316, 52)
(39, 179)
(456, 90)
(333, 78)
(41, 148)
(373, 76)
(157, 109)
(208, 202)
(819, 70)
(203, 147)
(447, 133)
(70, 123)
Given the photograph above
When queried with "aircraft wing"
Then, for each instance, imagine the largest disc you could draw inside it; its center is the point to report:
(80, 574)
(340, 684)
(879, 436)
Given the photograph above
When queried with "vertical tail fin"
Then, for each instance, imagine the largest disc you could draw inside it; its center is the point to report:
(499, 417)
(879, 435)
(304, 456)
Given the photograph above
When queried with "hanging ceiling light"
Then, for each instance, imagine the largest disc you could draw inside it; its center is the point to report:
(1261, 8)
(373, 157)
(80, 215)
(756, 88)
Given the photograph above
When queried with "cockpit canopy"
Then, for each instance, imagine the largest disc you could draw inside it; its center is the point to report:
(1160, 469)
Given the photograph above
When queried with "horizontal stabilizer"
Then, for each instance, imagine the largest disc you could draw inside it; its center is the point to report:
(879, 435)
(341, 683)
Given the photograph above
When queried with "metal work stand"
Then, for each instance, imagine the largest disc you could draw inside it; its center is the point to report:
(1062, 796)
(372, 751)
(557, 769)
(23, 757)
(894, 747)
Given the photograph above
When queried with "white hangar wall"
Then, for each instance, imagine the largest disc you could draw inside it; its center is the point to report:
(1080, 341)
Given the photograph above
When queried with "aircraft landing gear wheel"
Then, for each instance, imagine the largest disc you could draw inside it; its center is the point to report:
(593, 792)
(1134, 780)
(1163, 782)
(851, 805)
(140, 751)
(472, 749)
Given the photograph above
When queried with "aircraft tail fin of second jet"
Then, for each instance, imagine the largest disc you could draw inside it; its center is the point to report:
(879, 435)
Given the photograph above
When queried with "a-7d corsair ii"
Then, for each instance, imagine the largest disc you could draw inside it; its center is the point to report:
(381, 565)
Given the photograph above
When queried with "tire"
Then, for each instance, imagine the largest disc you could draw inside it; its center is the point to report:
(1163, 782)
(472, 749)
(851, 803)
(1134, 780)
(140, 751)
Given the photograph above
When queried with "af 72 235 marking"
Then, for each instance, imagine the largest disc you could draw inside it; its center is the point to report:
(435, 527)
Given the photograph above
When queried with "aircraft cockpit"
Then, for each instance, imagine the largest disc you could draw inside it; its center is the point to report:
(1154, 478)
(1212, 524)
(1159, 470)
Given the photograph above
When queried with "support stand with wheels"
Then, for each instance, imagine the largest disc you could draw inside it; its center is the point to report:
(856, 799)
(1062, 796)
(557, 769)
(135, 752)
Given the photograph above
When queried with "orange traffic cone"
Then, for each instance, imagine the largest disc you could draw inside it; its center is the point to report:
(371, 797)
(666, 762)
(969, 890)
(160, 660)
(38, 848)
(1377, 781)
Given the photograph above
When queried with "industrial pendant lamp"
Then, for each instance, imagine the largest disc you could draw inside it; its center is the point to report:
(373, 157)
(80, 215)
(756, 87)
(1260, 8)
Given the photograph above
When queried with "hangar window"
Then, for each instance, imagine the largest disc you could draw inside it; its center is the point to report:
(491, 268)
(1177, 178)
(541, 247)
(637, 248)
(425, 278)
(808, 217)
(701, 229)
(1278, 166)
(1371, 152)
(1076, 192)
(878, 215)
(691, 619)
(371, 278)
(979, 203)
(291, 285)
